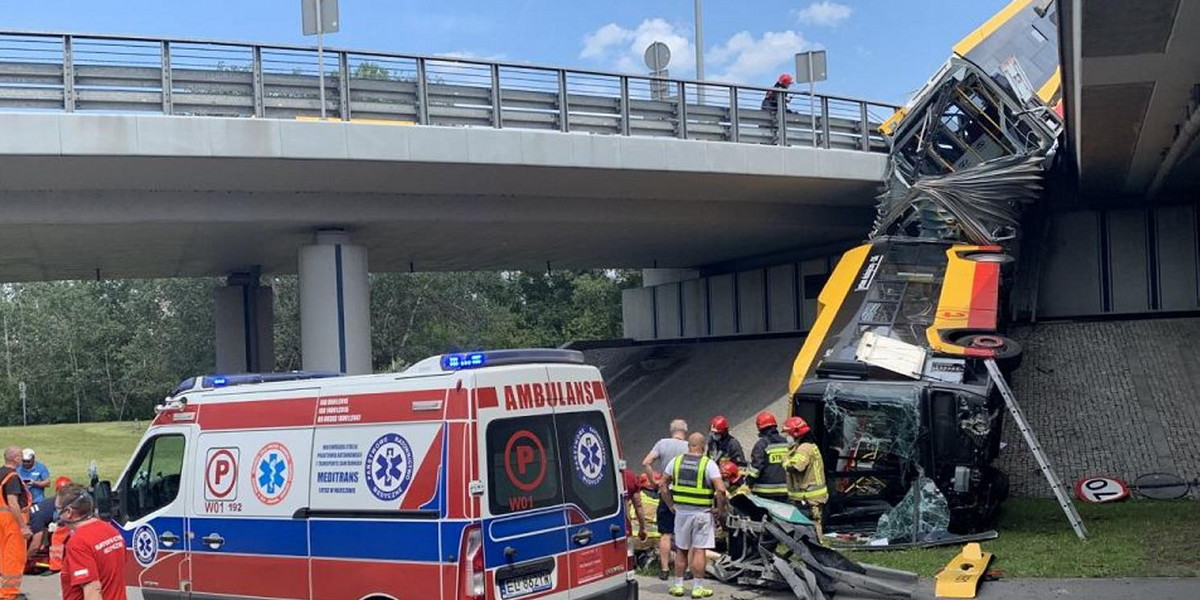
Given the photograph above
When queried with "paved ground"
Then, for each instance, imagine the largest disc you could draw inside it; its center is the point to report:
(1025, 589)
(1114, 398)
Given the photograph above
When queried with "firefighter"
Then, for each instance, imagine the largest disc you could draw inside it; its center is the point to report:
(14, 528)
(648, 494)
(805, 471)
(732, 474)
(765, 475)
(723, 447)
(773, 99)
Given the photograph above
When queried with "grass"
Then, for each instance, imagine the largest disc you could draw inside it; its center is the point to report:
(67, 449)
(1135, 538)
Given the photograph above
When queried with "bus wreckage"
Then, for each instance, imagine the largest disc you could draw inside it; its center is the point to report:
(893, 377)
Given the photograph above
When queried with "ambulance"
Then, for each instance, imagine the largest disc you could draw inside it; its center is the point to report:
(479, 476)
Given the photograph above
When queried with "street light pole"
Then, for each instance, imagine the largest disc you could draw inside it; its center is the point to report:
(699, 50)
(321, 56)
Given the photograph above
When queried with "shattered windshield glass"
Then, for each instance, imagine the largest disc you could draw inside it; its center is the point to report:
(873, 429)
(923, 515)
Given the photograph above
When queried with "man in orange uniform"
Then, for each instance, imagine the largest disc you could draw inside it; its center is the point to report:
(14, 528)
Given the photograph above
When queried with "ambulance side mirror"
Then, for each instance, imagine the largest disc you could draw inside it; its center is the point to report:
(103, 494)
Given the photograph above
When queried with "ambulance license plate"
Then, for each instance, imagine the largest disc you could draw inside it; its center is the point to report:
(525, 585)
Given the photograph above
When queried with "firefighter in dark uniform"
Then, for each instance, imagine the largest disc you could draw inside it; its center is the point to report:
(723, 447)
(765, 475)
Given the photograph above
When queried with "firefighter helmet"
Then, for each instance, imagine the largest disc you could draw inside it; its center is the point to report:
(730, 471)
(765, 420)
(60, 482)
(784, 80)
(719, 424)
(796, 427)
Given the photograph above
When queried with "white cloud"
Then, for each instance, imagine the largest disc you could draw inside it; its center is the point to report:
(622, 48)
(746, 59)
(825, 13)
(743, 58)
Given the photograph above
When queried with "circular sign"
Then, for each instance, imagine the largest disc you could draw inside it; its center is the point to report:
(389, 467)
(1098, 490)
(272, 473)
(220, 473)
(589, 455)
(520, 453)
(145, 545)
(657, 56)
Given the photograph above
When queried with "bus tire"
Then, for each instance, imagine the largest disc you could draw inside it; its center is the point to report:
(992, 257)
(1008, 351)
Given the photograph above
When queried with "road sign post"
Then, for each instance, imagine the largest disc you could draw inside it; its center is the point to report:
(811, 68)
(657, 57)
(320, 17)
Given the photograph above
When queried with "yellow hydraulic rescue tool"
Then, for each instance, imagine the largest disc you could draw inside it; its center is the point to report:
(961, 577)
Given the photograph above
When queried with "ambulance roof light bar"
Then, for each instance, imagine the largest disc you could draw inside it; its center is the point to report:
(496, 358)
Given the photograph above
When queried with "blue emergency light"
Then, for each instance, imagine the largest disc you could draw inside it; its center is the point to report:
(495, 358)
(454, 362)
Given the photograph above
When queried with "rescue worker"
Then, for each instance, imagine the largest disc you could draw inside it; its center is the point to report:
(648, 495)
(723, 447)
(692, 485)
(664, 451)
(14, 528)
(633, 498)
(765, 475)
(732, 474)
(771, 101)
(805, 471)
(94, 565)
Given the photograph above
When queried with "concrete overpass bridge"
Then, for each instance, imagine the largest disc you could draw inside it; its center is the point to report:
(138, 157)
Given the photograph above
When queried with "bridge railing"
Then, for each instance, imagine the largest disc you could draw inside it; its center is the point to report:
(98, 73)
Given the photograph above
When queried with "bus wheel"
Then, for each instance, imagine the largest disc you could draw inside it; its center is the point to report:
(991, 257)
(1007, 351)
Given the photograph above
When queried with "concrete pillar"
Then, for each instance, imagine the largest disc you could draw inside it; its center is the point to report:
(243, 312)
(335, 315)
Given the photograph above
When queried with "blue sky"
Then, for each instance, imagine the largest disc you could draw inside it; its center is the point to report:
(878, 49)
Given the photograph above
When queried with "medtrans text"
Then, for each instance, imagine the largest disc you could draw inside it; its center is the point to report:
(555, 393)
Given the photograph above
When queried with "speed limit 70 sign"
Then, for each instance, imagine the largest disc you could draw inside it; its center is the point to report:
(1098, 490)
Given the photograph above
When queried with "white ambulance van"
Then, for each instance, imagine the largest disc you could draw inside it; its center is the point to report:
(482, 476)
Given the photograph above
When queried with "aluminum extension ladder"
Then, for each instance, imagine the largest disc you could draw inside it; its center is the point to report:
(1014, 409)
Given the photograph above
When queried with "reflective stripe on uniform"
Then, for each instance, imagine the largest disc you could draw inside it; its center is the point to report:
(777, 452)
(820, 492)
(688, 484)
(769, 488)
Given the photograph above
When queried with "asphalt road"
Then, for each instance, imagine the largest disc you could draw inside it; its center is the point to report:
(1023, 589)
(46, 588)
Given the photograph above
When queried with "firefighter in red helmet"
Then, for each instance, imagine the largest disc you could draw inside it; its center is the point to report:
(805, 470)
(778, 98)
(765, 474)
(723, 447)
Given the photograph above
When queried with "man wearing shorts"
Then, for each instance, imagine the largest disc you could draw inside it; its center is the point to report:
(664, 451)
(692, 486)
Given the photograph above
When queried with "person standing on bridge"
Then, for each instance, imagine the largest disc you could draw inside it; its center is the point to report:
(765, 475)
(723, 447)
(664, 451)
(692, 484)
(805, 471)
(777, 98)
(14, 526)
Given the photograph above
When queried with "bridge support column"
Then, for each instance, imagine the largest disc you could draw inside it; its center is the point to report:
(243, 312)
(335, 316)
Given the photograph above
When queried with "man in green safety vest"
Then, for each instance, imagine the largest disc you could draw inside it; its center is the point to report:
(765, 475)
(692, 486)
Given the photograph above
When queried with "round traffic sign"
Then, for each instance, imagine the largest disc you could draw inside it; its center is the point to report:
(1098, 490)
(657, 56)
(525, 460)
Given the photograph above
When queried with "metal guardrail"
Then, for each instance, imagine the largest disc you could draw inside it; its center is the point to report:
(121, 74)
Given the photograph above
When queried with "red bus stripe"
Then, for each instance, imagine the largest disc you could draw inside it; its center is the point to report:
(985, 296)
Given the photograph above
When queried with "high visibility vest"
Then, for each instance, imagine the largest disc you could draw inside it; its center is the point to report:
(772, 481)
(24, 489)
(688, 484)
(58, 544)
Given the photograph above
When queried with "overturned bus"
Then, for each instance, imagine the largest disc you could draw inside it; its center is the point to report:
(891, 376)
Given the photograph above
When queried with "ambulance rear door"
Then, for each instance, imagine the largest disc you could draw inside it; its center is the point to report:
(524, 516)
(590, 479)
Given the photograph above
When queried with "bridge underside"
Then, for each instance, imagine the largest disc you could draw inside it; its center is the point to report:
(78, 206)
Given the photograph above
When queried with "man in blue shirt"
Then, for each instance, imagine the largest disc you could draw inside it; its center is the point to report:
(35, 475)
